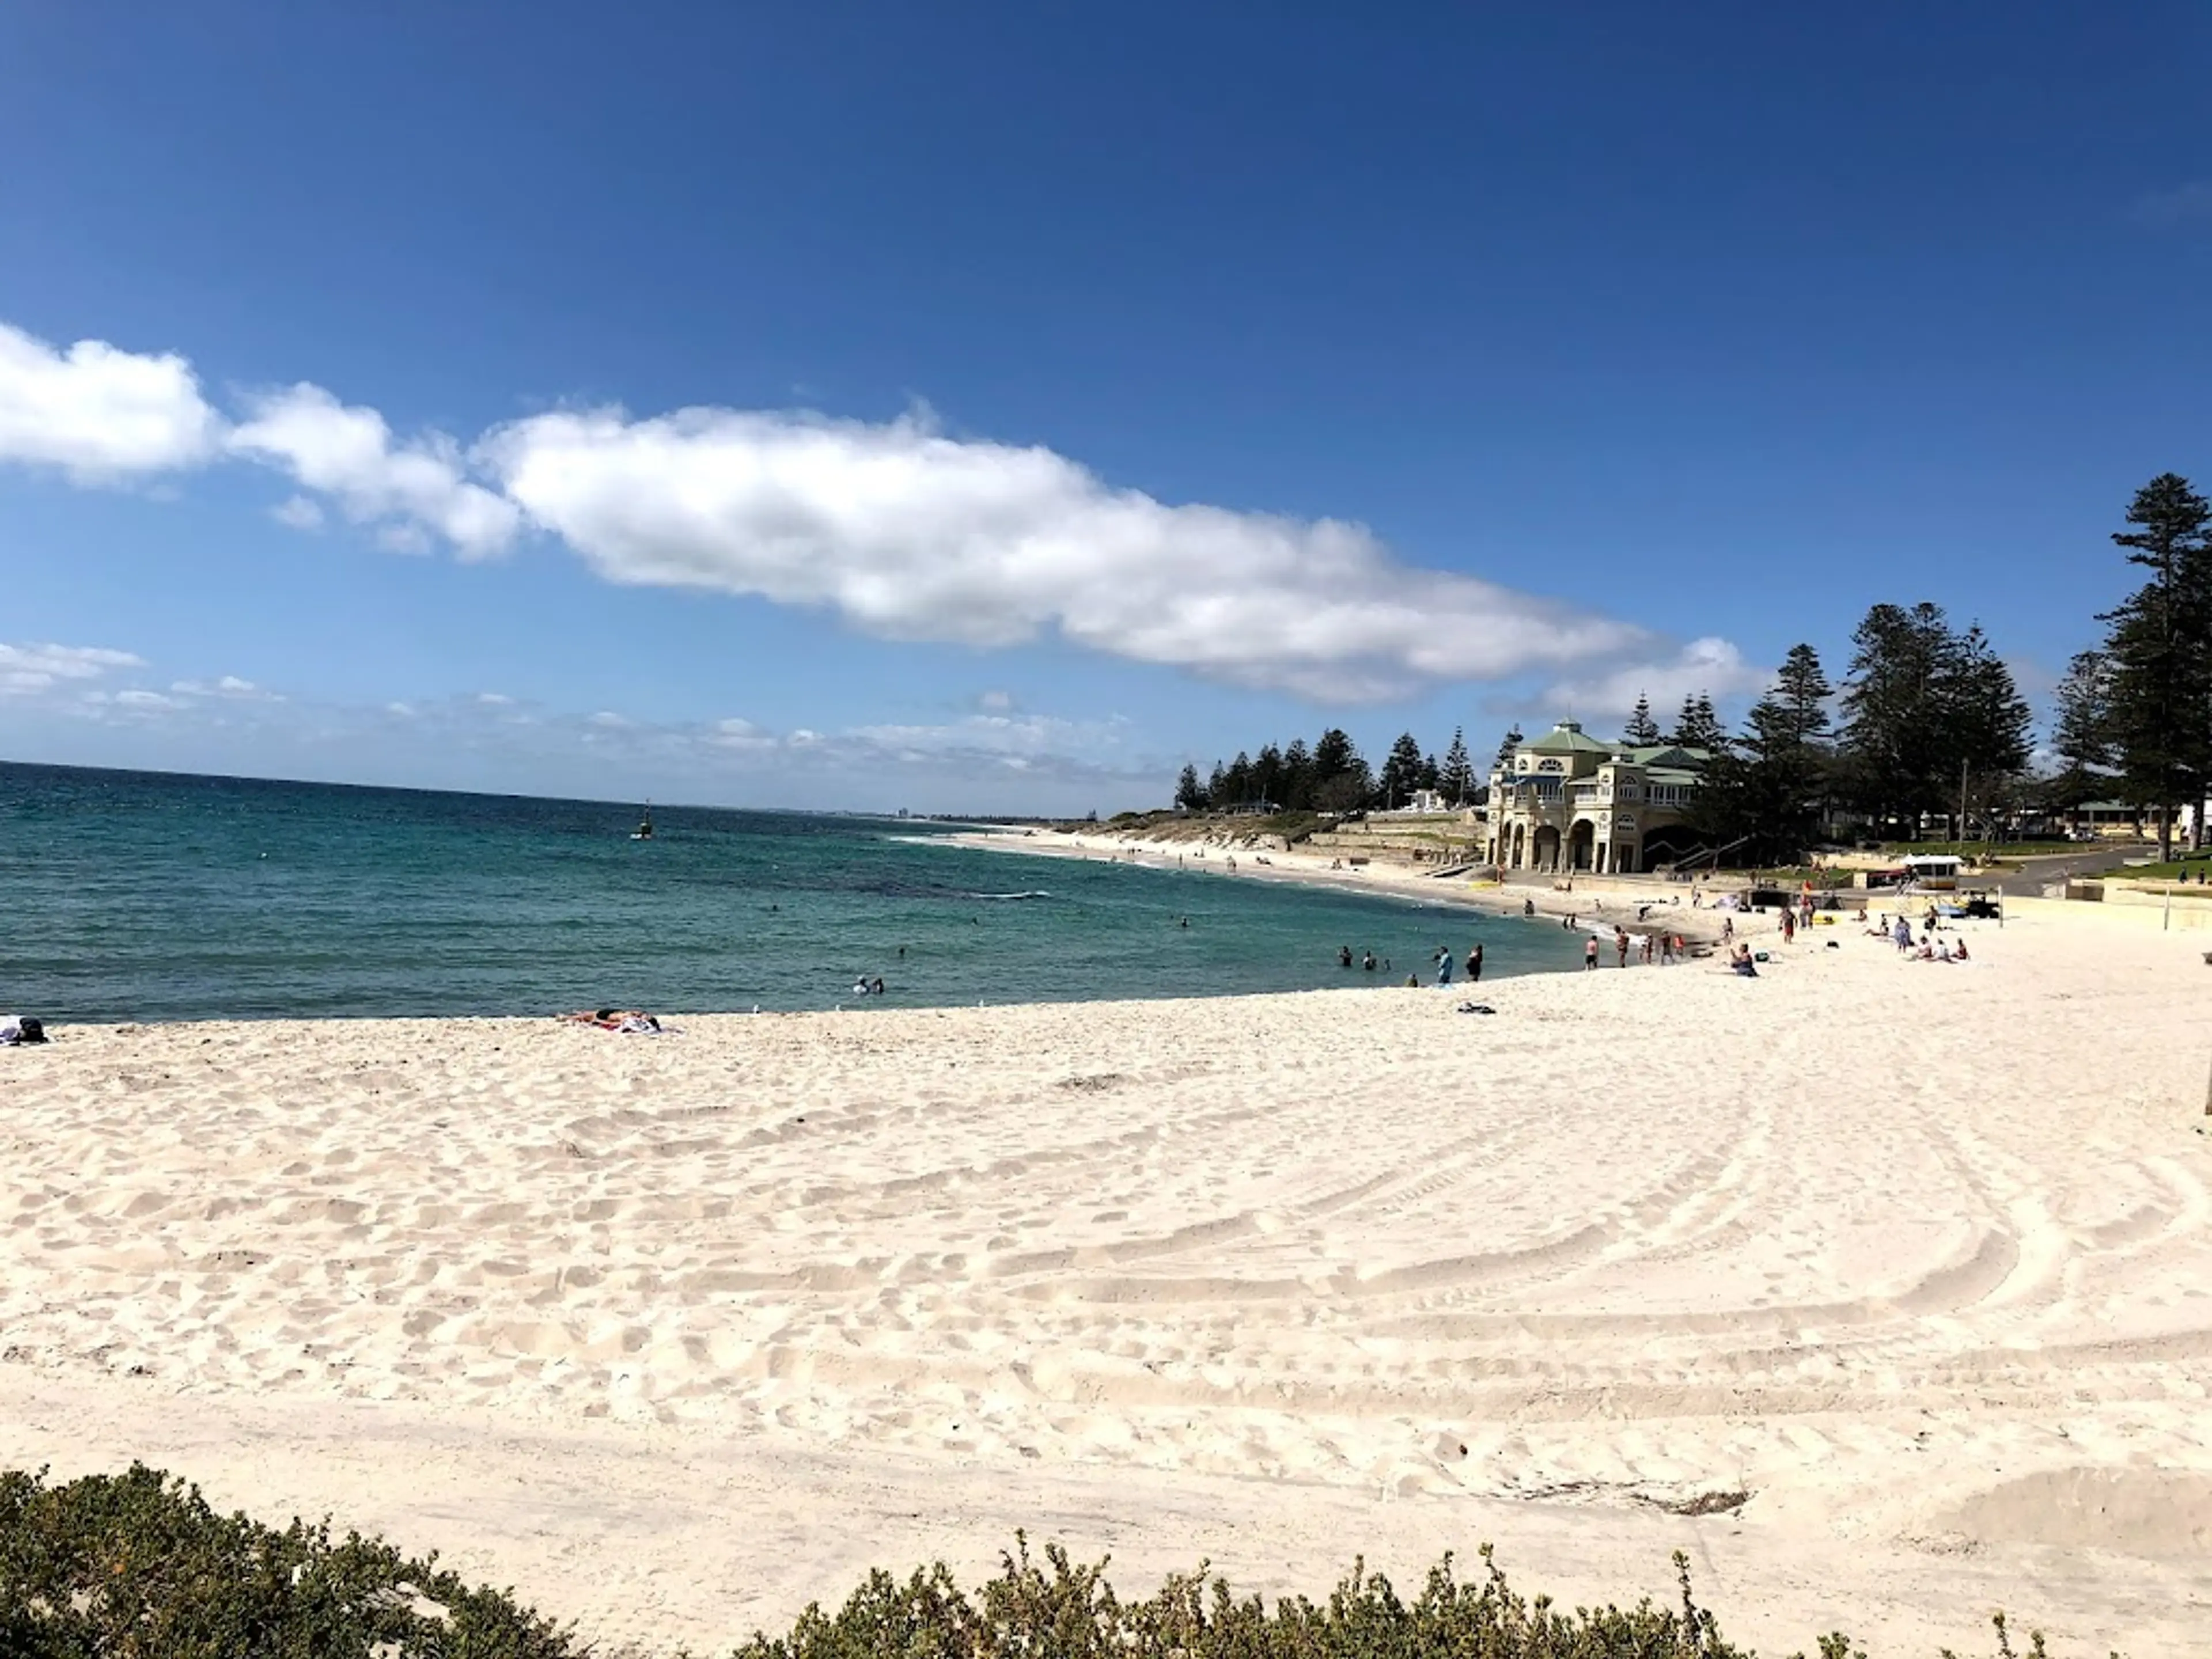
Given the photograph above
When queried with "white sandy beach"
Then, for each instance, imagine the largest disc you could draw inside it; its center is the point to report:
(675, 1335)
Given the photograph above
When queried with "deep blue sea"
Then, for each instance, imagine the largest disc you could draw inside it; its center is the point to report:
(133, 896)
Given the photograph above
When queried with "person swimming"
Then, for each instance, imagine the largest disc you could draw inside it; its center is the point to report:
(1368, 962)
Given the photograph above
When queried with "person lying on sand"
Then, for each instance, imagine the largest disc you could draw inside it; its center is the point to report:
(629, 1021)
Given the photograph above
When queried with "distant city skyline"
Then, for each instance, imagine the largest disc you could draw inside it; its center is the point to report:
(997, 412)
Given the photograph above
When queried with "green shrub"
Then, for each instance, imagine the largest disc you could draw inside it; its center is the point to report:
(1067, 1611)
(138, 1566)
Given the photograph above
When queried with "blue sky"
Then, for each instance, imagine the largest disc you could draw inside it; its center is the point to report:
(1071, 391)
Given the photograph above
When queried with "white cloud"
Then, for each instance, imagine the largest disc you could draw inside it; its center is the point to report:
(229, 686)
(99, 413)
(607, 717)
(400, 710)
(1706, 665)
(298, 513)
(28, 669)
(496, 699)
(409, 490)
(742, 737)
(1000, 734)
(900, 530)
(908, 534)
(145, 700)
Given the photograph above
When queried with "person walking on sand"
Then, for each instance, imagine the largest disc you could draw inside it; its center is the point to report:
(1444, 968)
(1727, 931)
(1474, 963)
(1620, 948)
(1590, 953)
(1665, 950)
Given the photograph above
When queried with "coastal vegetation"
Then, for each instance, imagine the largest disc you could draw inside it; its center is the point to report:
(116, 1567)
(1935, 727)
(2135, 713)
(1927, 729)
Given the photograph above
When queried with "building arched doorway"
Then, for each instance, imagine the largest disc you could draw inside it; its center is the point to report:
(1544, 847)
(1582, 845)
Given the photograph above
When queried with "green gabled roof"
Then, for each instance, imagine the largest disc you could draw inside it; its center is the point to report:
(1670, 754)
(1568, 738)
(1670, 775)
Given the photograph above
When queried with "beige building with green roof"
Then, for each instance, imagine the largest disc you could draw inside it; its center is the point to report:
(1568, 802)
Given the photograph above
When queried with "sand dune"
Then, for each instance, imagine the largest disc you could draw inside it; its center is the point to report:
(676, 1333)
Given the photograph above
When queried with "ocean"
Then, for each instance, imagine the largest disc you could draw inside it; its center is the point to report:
(134, 895)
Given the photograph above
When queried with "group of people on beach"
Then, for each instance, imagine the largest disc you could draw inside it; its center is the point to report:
(1446, 963)
(1933, 946)
(1663, 948)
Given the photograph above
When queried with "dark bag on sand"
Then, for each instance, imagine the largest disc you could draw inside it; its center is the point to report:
(32, 1029)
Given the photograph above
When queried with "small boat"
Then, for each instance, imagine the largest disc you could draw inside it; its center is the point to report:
(644, 830)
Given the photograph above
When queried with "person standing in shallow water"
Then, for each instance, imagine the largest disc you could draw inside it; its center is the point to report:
(1474, 963)
(1445, 969)
(1590, 953)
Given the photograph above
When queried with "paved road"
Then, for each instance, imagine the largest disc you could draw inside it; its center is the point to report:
(2035, 875)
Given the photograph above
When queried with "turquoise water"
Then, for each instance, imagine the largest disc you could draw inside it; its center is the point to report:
(131, 896)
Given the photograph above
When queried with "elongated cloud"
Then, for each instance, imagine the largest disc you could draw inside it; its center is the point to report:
(100, 414)
(908, 534)
(348, 454)
(26, 669)
(898, 529)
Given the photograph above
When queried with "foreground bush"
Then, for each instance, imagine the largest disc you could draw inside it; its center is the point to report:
(1072, 1613)
(138, 1566)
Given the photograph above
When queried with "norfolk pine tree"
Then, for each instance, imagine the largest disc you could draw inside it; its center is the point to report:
(2158, 651)
(1641, 732)
(2081, 733)
(1699, 726)
(1402, 771)
(1456, 777)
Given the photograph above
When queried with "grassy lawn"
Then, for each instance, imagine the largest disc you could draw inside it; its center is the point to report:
(2182, 869)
